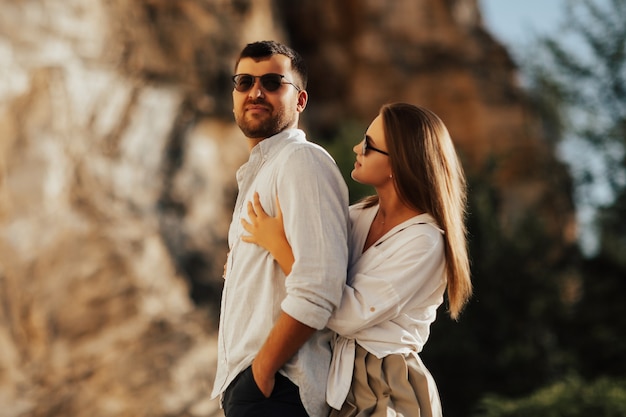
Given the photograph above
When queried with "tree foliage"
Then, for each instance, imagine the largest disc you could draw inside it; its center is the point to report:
(580, 87)
(571, 397)
(534, 321)
(577, 80)
(507, 340)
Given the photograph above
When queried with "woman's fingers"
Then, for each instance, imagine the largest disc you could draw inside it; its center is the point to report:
(279, 212)
(255, 209)
(257, 220)
(258, 208)
(249, 227)
(251, 212)
(246, 225)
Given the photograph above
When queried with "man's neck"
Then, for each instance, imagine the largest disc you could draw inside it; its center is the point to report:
(253, 142)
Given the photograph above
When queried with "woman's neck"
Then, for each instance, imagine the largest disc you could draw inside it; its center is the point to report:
(392, 210)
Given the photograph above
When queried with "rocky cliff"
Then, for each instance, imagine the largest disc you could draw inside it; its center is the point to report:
(117, 161)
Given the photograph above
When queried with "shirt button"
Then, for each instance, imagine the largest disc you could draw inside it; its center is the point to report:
(372, 309)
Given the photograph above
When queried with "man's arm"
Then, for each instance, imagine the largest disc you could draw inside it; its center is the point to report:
(285, 339)
(317, 228)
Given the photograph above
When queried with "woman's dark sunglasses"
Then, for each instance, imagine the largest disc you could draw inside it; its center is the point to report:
(367, 146)
(269, 82)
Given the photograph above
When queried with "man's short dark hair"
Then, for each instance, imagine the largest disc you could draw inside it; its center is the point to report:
(264, 49)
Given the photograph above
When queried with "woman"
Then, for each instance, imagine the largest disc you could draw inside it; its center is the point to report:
(408, 244)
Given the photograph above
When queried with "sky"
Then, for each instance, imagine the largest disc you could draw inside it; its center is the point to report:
(514, 22)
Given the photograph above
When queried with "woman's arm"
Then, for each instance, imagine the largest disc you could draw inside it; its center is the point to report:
(269, 233)
(406, 274)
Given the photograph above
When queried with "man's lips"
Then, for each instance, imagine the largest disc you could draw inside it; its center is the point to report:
(257, 108)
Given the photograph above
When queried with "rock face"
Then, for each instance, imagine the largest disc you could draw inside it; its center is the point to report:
(117, 161)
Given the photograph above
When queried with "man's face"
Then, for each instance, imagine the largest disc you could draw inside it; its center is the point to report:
(261, 113)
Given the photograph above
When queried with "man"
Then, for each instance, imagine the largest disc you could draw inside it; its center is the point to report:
(274, 353)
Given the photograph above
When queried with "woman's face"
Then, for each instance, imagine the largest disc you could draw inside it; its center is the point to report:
(372, 167)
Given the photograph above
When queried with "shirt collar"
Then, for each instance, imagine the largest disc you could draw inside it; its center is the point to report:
(428, 219)
(424, 218)
(272, 145)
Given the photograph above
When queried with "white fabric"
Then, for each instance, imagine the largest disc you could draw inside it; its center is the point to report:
(314, 199)
(393, 292)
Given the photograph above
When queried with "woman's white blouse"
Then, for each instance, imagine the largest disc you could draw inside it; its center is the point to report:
(392, 294)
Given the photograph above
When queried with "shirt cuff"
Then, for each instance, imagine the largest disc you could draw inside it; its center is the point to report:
(306, 312)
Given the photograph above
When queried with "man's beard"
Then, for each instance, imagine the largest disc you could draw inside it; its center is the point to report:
(268, 126)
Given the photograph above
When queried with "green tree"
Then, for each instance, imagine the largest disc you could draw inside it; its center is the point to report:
(517, 334)
(571, 397)
(577, 80)
(506, 341)
(579, 86)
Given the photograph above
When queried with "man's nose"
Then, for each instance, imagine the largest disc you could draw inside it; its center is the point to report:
(256, 90)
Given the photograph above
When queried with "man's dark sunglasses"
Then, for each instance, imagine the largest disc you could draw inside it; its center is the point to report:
(269, 82)
(367, 146)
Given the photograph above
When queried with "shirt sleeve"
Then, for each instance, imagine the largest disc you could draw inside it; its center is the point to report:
(405, 275)
(314, 200)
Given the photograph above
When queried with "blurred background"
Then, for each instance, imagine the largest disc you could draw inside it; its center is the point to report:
(118, 154)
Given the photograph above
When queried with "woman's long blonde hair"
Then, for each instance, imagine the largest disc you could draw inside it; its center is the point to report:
(429, 177)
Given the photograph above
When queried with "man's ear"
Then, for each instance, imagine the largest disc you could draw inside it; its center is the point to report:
(303, 98)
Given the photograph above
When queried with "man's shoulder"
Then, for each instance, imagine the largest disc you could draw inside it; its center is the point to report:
(304, 150)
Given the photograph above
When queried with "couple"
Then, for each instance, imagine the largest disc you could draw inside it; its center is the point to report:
(296, 336)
